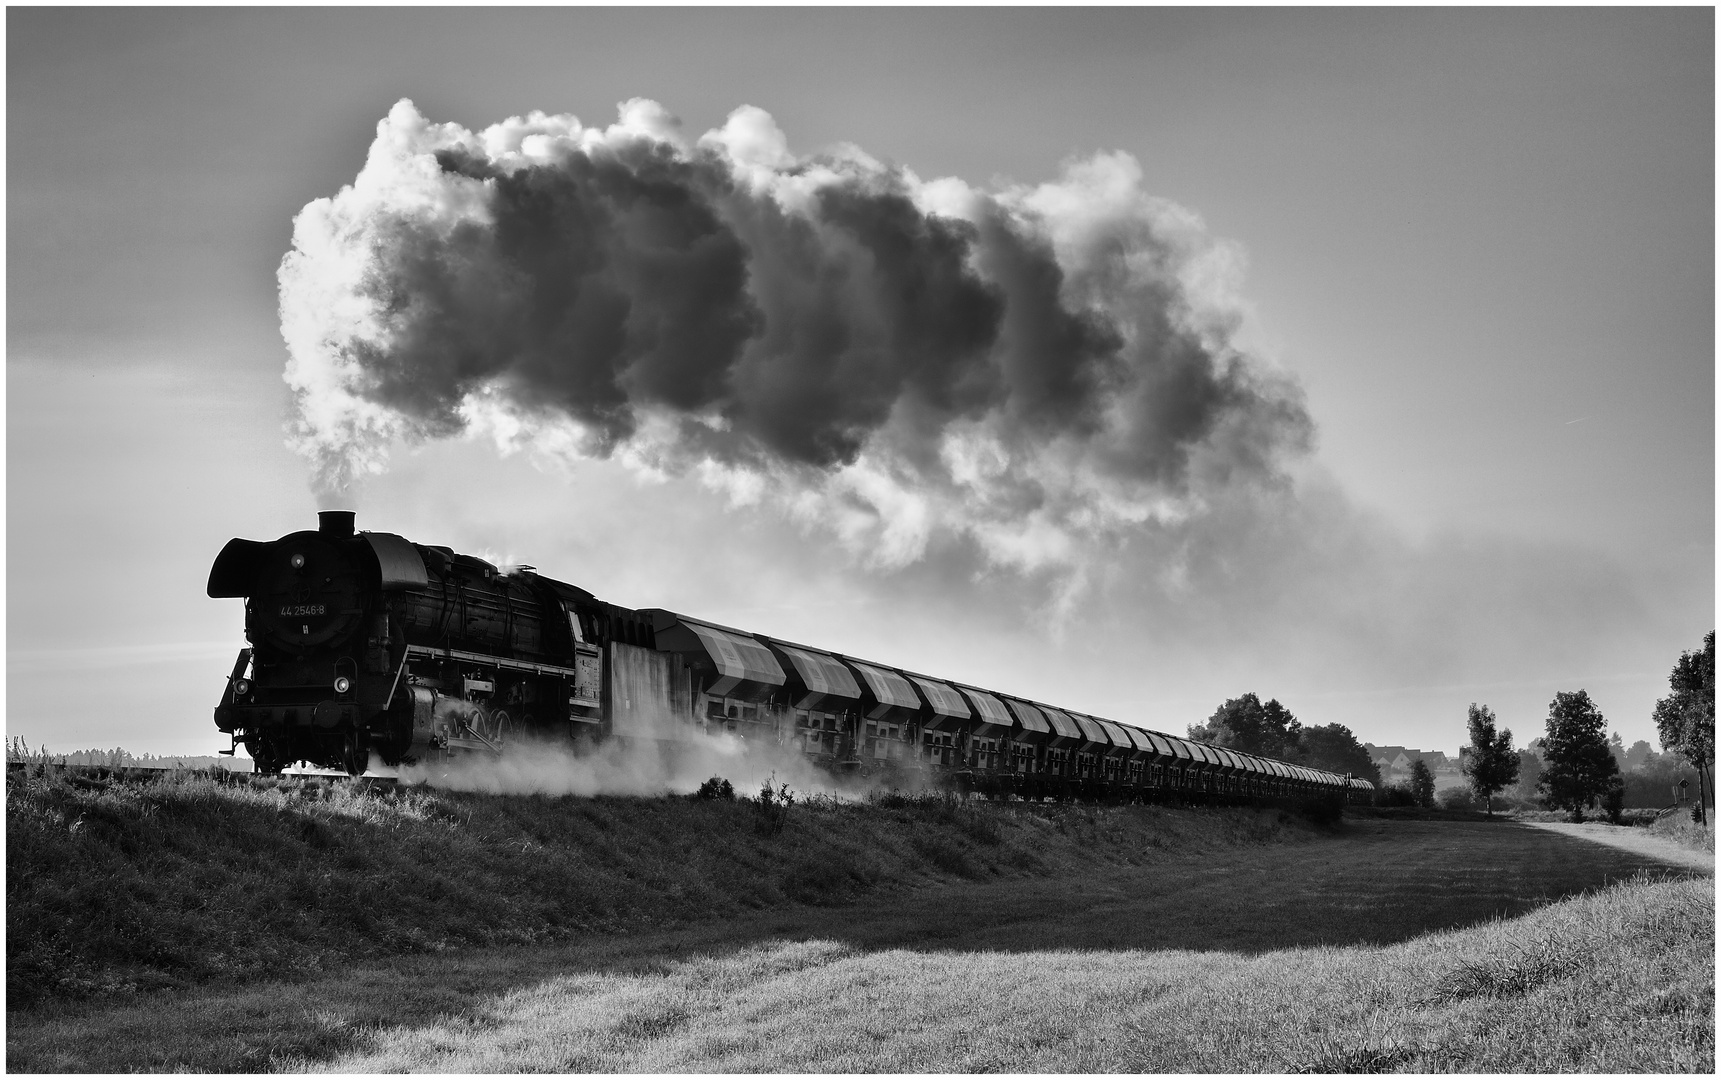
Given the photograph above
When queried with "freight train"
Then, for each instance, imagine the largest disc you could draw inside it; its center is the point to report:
(365, 643)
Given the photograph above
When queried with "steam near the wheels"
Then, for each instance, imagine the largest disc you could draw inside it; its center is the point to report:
(1033, 367)
(669, 757)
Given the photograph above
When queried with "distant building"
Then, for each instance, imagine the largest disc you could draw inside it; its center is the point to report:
(1390, 758)
(1395, 763)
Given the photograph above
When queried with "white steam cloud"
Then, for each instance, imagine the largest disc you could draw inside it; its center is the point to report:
(1035, 369)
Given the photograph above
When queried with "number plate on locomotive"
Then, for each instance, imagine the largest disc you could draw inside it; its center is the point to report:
(291, 610)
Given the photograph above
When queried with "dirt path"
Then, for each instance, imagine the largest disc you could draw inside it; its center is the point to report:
(1374, 882)
(1634, 840)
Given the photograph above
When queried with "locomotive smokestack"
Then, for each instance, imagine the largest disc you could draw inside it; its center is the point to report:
(335, 524)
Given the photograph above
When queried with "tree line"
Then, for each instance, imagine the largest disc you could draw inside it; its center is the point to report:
(1574, 766)
(1246, 724)
(1577, 766)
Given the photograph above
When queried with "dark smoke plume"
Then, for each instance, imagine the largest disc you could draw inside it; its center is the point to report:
(1030, 367)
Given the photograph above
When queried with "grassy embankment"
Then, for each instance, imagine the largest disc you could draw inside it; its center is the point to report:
(1064, 939)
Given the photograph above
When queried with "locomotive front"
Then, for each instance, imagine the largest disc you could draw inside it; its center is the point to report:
(366, 643)
(316, 683)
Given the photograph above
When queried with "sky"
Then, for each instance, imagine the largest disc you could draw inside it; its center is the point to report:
(1478, 244)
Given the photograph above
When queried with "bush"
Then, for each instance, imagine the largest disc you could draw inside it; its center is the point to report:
(1396, 795)
(1613, 803)
(715, 788)
(773, 805)
(1460, 798)
(1685, 831)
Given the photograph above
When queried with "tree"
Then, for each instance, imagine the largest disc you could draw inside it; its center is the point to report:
(1243, 723)
(1639, 755)
(1492, 764)
(1577, 767)
(1421, 783)
(1335, 748)
(1686, 717)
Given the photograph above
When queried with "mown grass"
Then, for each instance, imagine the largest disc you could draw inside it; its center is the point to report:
(125, 886)
(1618, 981)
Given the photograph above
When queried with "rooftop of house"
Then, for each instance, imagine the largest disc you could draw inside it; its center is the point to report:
(1435, 758)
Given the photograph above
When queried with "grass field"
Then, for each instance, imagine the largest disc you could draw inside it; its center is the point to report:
(1190, 941)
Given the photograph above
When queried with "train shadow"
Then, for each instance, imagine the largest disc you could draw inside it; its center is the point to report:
(1377, 883)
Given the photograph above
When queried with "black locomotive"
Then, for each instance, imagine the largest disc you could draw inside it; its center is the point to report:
(364, 643)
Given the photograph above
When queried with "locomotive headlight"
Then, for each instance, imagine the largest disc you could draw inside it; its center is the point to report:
(298, 561)
(342, 684)
(241, 687)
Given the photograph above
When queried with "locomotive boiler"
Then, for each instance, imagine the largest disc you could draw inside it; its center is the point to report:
(365, 643)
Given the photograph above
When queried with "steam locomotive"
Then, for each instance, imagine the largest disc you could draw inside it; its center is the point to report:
(365, 643)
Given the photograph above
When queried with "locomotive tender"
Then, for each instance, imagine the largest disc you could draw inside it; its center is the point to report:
(364, 642)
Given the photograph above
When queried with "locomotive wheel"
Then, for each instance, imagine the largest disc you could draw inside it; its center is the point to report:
(355, 754)
(501, 727)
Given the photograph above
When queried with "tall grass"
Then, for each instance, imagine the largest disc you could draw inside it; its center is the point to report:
(22, 753)
(1680, 829)
(121, 886)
